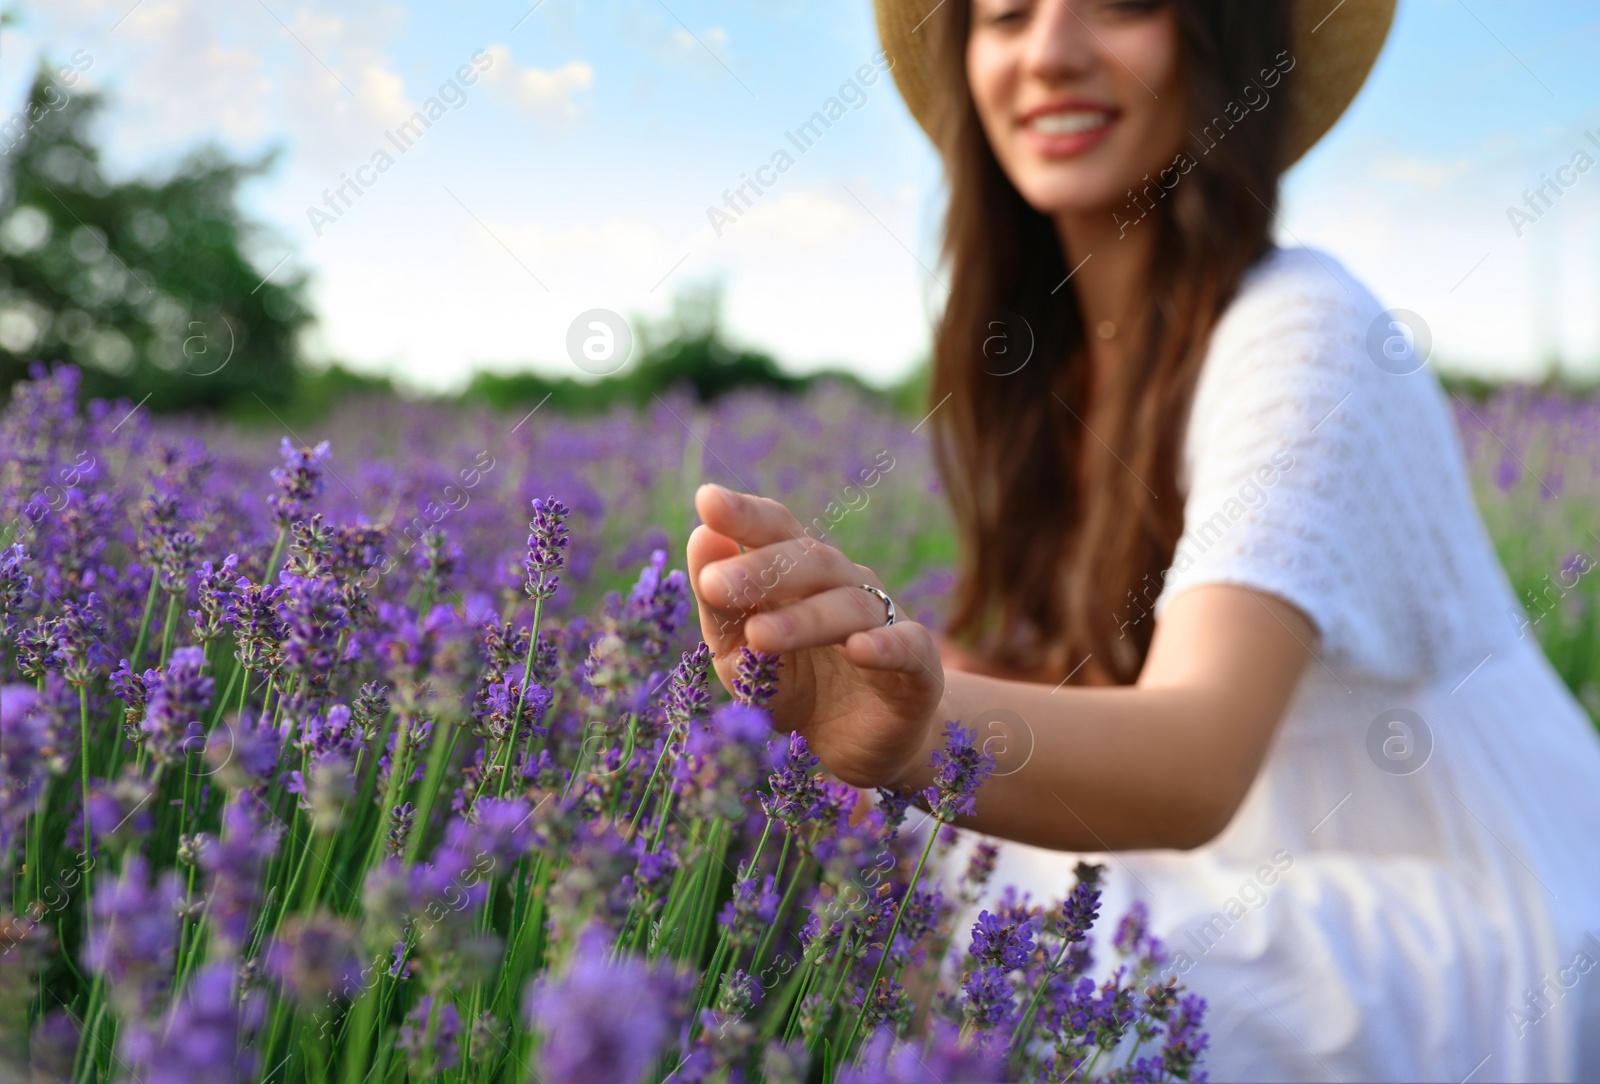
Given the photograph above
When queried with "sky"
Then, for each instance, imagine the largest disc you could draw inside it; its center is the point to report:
(579, 168)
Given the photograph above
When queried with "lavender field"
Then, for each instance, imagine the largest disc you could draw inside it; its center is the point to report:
(397, 758)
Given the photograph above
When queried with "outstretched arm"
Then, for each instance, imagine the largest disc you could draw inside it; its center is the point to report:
(1162, 763)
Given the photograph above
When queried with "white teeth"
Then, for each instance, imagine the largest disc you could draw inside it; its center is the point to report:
(1068, 123)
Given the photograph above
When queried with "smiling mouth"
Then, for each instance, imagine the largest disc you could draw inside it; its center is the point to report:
(1074, 122)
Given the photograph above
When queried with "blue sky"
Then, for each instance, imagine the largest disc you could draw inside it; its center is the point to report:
(578, 170)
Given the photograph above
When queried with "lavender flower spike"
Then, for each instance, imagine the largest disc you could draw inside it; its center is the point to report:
(755, 677)
(796, 789)
(959, 770)
(204, 1041)
(172, 714)
(545, 558)
(604, 1021)
(134, 936)
(299, 480)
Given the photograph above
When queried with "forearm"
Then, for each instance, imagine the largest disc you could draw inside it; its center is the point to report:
(1104, 768)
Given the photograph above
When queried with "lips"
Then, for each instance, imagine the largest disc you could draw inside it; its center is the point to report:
(1064, 129)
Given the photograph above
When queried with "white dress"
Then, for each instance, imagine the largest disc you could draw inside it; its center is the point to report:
(1395, 899)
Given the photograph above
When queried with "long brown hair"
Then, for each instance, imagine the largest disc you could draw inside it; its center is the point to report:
(1066, 535)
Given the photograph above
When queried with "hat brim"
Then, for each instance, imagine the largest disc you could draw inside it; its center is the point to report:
(1333, 45)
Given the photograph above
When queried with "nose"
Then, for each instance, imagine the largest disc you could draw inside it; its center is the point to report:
(1060, 44)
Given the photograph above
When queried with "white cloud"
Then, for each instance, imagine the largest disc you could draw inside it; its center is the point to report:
(542, 95)
(803, 219)
(180, 71)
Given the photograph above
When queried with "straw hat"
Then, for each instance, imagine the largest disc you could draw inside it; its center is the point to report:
(1333, 43)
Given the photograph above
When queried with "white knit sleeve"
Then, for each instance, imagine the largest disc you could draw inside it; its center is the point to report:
(1313, 474)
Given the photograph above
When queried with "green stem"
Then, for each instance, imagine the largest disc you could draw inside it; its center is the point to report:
(83, 762)
(277, 552)
(1020, 1036)
(650, 786)
(137, 660)
(439, 758)
(783, 909)
(169, 627)
(888, 945)
(792, 1012)
(527, 675)
(83, 1066)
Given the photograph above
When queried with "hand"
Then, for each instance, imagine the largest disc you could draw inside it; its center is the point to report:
(862, 694)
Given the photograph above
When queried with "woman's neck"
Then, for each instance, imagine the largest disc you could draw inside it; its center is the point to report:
(1111, 264)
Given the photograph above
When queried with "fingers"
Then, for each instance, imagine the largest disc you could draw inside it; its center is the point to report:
(749, 520)
(824, 618)
(904, 647)
(779, 572)
(720, 627)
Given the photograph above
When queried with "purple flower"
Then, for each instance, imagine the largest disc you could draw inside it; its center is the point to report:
(134, 936)
(80, 640)
(500, 703)
(214, 586)
(988, 997)
(959, 770)
(1005, 944)
(299, 480)
(750, 910)
(133, 690)
(755, 677)
(54, 1047)
(652, 874)
(176, 702)
(233, 865)
(796, 795)
(432, 1044)
(657, 606)
(243, 751)
(603, 1020)
(1185, 1042)
(16, 586)
(893, 804)
(326, 790)
(500, 828)
(313, 613)
(331, 732)
(27, 732)
(1133, 938)
(943, 1058)
(1082, 906)
(313, 959)
(205, 1039)
(38, 650)
(546, 544)
(401, 820)
(689, 694)
(980, 867)
(742, 724)
(253, 613)
(721, 760)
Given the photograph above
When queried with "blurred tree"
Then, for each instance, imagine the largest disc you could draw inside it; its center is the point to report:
(687, 349)
(143, 284)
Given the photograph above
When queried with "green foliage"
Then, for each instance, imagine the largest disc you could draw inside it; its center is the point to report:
(688, 349)
(143, 283)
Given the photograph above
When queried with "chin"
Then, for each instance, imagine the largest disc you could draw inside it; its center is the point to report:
(1072, 195)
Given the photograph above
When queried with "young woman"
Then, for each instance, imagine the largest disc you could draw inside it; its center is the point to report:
(1224, 592)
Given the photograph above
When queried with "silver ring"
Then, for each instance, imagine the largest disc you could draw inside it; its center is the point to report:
(887, 601)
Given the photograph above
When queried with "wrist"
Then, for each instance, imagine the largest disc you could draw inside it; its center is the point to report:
(918, 771)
